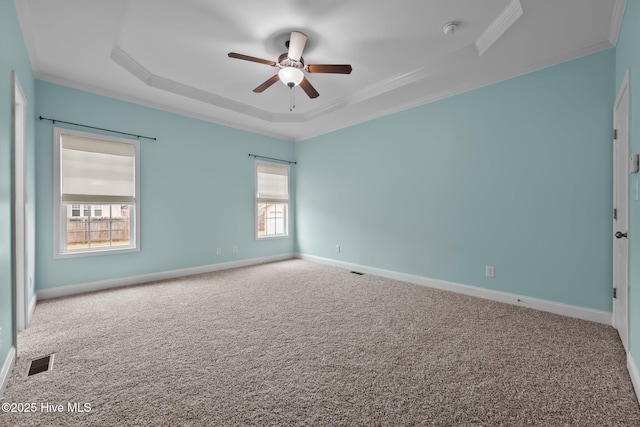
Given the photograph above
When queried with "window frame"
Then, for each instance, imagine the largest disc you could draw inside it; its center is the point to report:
(256, 202)
(60, 210)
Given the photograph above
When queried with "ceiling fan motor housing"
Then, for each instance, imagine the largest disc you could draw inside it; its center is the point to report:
(285, 61)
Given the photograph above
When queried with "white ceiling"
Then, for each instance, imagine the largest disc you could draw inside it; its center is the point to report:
(173, 54)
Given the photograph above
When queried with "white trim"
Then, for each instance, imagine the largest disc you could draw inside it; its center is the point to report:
(31, 309)
(7, 366)
(123, 59)
(447, 92)
(634, 374)
(245, 127)
(19, 112)
(59, 210)
(590, 314)
(26, 25)
(616, 21)
(623, 87)
(256, 202)
(499, 26)
(366, 94)
(62, 291)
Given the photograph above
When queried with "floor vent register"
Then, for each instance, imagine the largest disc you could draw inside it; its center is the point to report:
(39, 365)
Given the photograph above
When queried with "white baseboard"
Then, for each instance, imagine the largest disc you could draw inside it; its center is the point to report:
(31, 309)
(7, 366)
(62, 291)
(635, 375)
(593, 315)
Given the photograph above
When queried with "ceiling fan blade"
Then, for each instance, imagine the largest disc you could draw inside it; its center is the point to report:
(308, 89)
(329, 68)
(296, 45)
(266, 84)
(251, 58)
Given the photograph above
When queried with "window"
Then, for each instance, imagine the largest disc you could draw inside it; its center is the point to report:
(96, 188)
(98, 231)
(272, 200)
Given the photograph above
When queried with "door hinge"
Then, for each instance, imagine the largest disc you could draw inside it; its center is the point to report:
(615, 292)
(615, 134)
(615, 213)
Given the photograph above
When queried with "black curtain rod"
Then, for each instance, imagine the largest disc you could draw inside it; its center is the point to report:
(271, 158)
(93, 127)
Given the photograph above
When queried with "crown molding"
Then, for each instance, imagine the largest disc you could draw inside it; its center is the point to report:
(362, 96)
(499, 26)
(616, 21)
(467, 86)
(120, 57)
(459, 58)
(24, 19)
(163, 107)
(322, 117)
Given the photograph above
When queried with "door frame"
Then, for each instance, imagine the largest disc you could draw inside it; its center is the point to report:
(623, 94)
(20, 275)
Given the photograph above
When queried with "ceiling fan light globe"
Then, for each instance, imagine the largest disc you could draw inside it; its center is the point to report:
(290, 76)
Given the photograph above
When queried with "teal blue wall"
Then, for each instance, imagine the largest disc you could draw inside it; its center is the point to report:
(13, 58)
(516, 175)
(197, 189)
(628, 59)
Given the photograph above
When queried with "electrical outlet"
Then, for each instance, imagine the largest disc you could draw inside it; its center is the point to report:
(219, 251)
(490, 271)
(235, 249)
(337, 248)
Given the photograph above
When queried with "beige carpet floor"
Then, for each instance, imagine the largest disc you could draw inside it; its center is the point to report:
(299, 344)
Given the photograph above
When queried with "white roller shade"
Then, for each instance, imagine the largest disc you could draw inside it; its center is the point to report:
(272, 183)
(96, 171)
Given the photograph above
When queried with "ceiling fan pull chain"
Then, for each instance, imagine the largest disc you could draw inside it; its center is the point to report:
(291, 98)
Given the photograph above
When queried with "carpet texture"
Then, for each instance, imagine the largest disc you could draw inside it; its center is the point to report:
(299, 344)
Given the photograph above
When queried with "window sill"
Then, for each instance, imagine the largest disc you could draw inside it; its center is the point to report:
(280, 236)
(94, 252)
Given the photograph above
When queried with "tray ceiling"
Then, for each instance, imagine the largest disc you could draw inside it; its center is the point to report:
(173, 55)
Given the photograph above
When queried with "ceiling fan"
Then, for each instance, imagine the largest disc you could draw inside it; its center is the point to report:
(292, 66)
